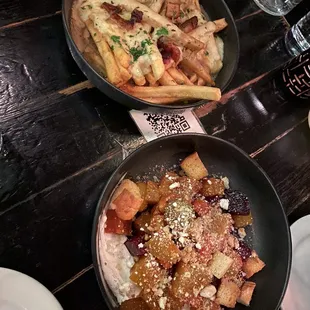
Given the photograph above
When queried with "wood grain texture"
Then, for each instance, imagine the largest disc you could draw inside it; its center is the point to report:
(12, 11)
(84, 293)
(35, 61)
(241, 8)
(49, 236)
(261, 47)
(287, 164)
(254, 116)
(47, 140)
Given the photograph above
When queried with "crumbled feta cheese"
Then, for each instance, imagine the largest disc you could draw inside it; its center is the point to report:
(140, 245)
(226, 182)
(241, 233)
(209, 182)
(162, 302)
(198, 246)
(208, 292)
(174, 185)
(224, 203)
(174, 204)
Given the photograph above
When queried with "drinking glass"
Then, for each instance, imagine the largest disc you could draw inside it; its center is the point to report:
(297, 39)
(277, 7)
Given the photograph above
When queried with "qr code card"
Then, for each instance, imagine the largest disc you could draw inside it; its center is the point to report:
(156, 125)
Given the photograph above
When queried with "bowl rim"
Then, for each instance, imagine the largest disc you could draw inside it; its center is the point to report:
(99, 207)
(148, 104)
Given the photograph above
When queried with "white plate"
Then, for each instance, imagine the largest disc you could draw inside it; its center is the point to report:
(297, 296)
(20, 292)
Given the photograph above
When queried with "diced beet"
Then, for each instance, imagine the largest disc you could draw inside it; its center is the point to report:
(201, 207)
(133, 247)
(114, 225)
(238, 202)
(243, 250)
(212, 199)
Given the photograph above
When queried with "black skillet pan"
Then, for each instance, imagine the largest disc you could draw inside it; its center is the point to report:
(270, 235)
(214, 8)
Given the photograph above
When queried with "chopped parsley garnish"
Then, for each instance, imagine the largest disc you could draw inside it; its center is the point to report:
(145, 31)
(162, 31)
(137, 52)
(112, 47)
(90, 6)
(182, 14)
(95, 34)
(131, 36)
(188, 10)
(116, 39)
(146, 42)
(206, 53)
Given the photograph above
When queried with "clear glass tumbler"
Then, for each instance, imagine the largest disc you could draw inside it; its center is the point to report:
(277, 7)
(297, 38)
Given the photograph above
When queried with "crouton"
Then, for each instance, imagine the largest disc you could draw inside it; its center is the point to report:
(194, 167)
(142, 188)
(126, 200)
(252, 265)
(227, 294)
(246, 293)
(142, 223)
(213, 187)
(164, 249)
(165, 182)
(220, 263)
(152, 194)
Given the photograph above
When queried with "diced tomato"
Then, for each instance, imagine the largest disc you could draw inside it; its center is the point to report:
(115, 225)
(201, 207)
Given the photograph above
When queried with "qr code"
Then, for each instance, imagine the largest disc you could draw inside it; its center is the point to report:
(167, 124)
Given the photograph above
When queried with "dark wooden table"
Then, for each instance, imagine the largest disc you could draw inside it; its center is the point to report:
(60, 139)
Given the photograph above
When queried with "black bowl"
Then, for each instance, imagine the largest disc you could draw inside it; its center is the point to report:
(214, 8)
(270, 236)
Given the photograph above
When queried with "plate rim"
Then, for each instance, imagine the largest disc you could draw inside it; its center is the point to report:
(33, 280)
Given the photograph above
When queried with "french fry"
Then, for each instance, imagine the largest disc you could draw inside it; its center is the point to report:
(164, 100)
(179, 77)
(126, 76)
(179, 91)
(187, 80)
(138, 75)
(201, 82)
(202, 32)
(158, 21)
(113, 73)
(167, 80)
(190, 61)
(194, 78)
(220, 24)
(119, 53)
(150, 78)
(94, 58)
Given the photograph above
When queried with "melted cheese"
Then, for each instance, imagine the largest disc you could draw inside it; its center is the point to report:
(91, 9)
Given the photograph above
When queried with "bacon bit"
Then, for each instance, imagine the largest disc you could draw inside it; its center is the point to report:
(169, 50)
(112, 9)
(173, 10)
(189, 25)
(136, 15)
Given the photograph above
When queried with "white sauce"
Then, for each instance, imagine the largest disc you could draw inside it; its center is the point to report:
(116, 263)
